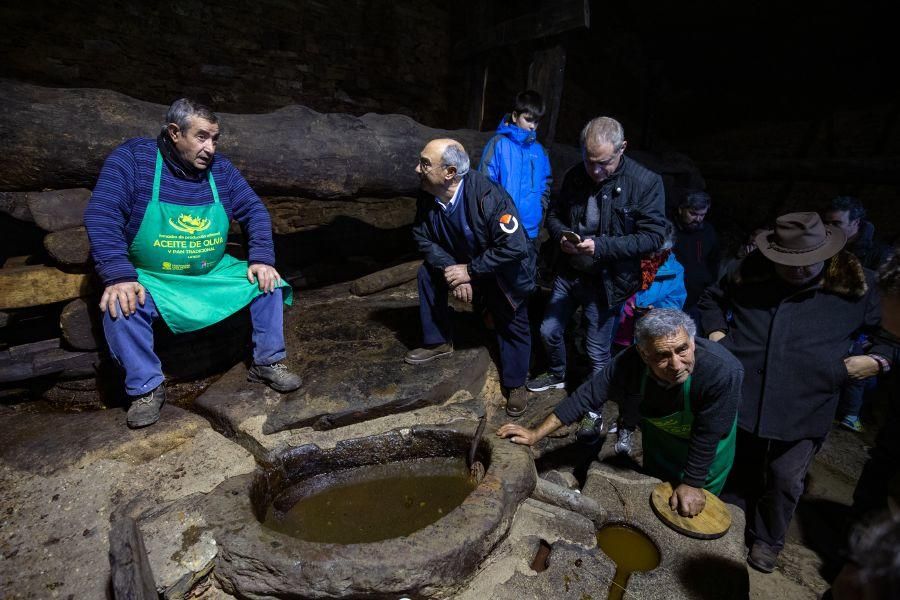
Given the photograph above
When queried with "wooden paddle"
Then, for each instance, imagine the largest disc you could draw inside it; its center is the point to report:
(712, 522)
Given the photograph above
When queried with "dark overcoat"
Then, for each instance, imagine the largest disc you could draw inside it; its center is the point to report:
(791, 342)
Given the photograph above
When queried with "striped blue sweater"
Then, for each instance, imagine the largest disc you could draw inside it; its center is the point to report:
(124, 189)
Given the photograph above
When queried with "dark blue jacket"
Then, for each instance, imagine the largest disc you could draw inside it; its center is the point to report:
(517, 161)
(500, 242)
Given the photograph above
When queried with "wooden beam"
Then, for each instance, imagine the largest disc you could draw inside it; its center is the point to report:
(39, 285)
(546, 75)
(557, 17)
(132, 577)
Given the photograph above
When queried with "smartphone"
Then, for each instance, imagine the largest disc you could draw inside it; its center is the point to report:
(572, 237)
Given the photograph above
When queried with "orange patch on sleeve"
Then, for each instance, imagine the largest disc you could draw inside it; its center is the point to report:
(505, 219)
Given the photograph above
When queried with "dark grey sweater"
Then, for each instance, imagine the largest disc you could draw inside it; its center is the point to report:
(715, 396)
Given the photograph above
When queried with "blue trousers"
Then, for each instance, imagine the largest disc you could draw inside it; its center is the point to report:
(601, 321)
(130, 340)
(510, 323)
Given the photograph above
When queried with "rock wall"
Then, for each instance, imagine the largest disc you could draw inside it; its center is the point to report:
(357, 56)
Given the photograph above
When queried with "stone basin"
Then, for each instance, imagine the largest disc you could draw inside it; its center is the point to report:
(256, 562)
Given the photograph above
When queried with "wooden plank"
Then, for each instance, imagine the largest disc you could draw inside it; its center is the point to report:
(477, 77)
(69, 247)
(386, 278)
(17, 261)
(59, 209)
(81, 325)
(555, 18)
(39, 285)
(546, 75)
(132, 578)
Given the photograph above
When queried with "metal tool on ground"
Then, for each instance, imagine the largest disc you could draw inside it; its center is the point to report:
(476, 469)
(712, 522)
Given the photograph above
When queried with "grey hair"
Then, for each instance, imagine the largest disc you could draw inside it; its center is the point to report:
(455, 156)
(604, 129)
(183, 109)
(662, 323)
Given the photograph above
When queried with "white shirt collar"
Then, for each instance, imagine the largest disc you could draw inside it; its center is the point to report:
(449, 205)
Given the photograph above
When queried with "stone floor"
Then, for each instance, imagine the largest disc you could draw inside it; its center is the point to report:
(63, 476)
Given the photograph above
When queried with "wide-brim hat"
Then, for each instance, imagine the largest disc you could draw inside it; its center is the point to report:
(800, 239)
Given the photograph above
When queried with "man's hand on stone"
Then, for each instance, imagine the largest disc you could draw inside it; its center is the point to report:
(519, 434)
(586, 246)
(265, 275)
(687, 500)
(456, 275)
(463, 292)
(860, 367)
(126, 294)
(715, 336)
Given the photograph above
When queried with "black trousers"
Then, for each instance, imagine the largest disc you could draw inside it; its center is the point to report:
(767, 480)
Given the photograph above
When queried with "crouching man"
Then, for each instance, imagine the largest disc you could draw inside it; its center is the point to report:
(686, 391)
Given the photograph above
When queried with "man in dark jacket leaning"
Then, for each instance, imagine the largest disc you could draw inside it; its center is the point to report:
(795, 304)
(469, 233)
(609, 213)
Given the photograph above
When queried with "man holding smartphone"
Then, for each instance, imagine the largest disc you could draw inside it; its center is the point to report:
(609, 213)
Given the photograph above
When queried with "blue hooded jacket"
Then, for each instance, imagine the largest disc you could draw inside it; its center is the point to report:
(667, 289)
(514, 159)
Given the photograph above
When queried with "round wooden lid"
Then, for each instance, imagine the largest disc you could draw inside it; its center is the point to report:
(712, 522)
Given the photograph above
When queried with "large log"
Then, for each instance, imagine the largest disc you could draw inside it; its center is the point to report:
(15, 204)
(36, 286)
(80, 325)
(290, 215)
(43, 358)
(381, 280)
(58, 210)
(69, 247)
(293, 151)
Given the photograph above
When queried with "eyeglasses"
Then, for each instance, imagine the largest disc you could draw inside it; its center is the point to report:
(426, 166)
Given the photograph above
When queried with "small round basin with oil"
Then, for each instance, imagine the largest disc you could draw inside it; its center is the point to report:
(631, 550)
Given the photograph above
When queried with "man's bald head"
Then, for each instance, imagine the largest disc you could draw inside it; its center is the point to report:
(442, 163)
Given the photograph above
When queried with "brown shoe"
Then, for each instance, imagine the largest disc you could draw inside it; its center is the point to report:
(428, 353)
(515, 403)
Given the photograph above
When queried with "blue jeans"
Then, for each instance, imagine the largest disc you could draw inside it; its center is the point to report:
(601, 321)
(130, 340)
(510, 323)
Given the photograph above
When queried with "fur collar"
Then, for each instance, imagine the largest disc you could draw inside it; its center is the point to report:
(844, 274)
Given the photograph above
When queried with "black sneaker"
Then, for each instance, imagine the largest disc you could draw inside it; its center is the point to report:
(762, 557)
(545, 381)
(144, 410)
(276, 376)
(590, 429)
(624, 441)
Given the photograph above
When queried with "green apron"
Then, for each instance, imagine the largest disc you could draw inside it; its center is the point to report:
(666, 440)
(179, 254)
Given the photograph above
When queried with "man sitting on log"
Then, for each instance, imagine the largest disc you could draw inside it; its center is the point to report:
(684, 391)
(158, 222)
(468, 230)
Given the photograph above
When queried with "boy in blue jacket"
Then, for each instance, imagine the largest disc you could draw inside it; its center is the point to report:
(514, 159)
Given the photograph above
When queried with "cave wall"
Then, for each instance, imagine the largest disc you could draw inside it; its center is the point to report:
(355, 56)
